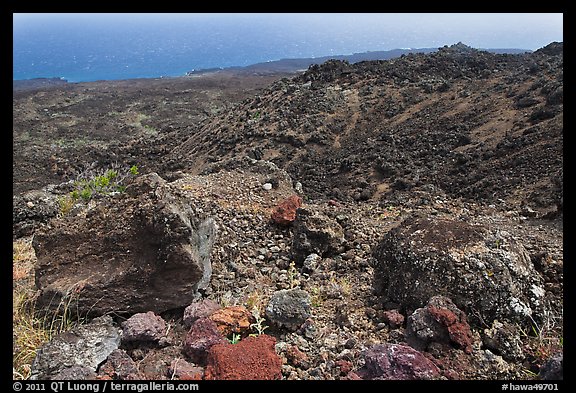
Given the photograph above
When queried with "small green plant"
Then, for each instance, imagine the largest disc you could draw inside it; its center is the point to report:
(316, 298)
(235, 338)
(104, 182)
(258, 326)
(134, 170)
(66, 204)
(293, 276)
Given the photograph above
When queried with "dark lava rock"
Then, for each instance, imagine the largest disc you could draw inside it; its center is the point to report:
(86, 345)
(315, 233)
(200, 309)
(75, 373)
(31, 211)
(439, 322)
(504, 338)
(481, 270)
(145, 250)
(289, 308)
(143, 327)
(399, 362)
(553, 368)
(119, 366)
(202, 335)
(253, 358)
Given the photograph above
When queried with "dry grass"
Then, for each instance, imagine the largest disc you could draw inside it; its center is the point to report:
(29, 330)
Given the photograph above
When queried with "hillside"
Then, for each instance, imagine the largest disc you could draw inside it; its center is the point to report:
(388, 219)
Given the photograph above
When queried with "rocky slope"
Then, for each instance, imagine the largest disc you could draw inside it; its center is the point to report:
(423, 236)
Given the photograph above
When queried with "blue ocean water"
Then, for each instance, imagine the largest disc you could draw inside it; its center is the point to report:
(84, 48)
(88, 47)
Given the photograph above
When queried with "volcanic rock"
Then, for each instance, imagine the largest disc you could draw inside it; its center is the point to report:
(143, 327)
(202, 335)
(252, 358)
(199, 309)
(231, 319)
(152, 254)
(393, 361)
(481, 269)
(285, 212)
(315, 233)
(289, 308)
(441, 322)
(86, 345)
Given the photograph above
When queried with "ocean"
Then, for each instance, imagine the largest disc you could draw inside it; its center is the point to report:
(79, 48)
(89, 47)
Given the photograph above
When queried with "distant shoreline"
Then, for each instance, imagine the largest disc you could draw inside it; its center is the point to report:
(292, 65)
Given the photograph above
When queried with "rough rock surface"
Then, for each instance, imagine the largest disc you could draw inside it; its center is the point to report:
(32, 210)
(143, 327)
(439, 322)
(392, 361)
(152, 253)
(504, 338)
(252, 358)
(85, 345)
(200, 309)
(553, 368)
(482, 270)
(289, 308)
(183, 370)
(285, 212)
(315, 233)
(75, 373)
(232, 319)
(119, 366)
(202, 335)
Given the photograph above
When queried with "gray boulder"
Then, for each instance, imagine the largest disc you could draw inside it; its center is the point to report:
(553, 369)
(289, 308)
(487, 273)
(144, 250)
(83, 348)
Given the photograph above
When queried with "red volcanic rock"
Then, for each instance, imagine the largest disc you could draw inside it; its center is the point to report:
(232, 319)
(252, 358)
(457, 325)
(202, 335)
(119, 366)
(285, 212)
(393, 318)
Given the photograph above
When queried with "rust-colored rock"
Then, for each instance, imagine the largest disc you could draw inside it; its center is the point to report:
(253, 358)
(232, 319)
(285, 212)
(457, 325)
(439, 322)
